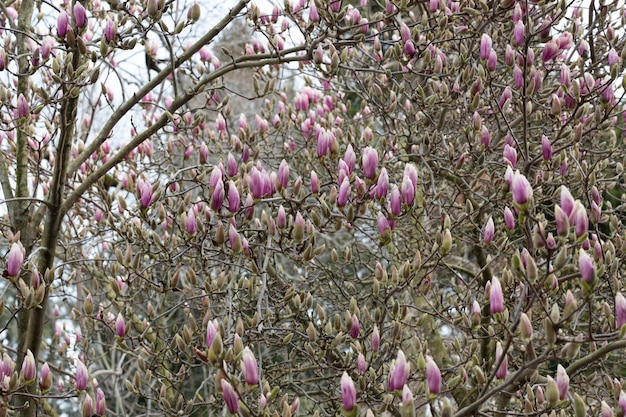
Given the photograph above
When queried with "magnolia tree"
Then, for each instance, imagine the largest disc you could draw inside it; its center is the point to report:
(422, 215)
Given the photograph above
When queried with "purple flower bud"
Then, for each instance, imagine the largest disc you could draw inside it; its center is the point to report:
(282, 217)
(283, 175)
(433, 376)
(110, 30)
(335, 6)
(230, 396)
(503, 369)
(82, 376)
(62, 23)
(485, 136)
(583, 48)
(546, 147)
(496, 299)
(395, 202)
(249, 367)
(145, 193)
(521, 189)
(622, 400)
(518, 33)
(80, 15)
(218, 196)
(355, 327)
(509, 218)
(398, 373)
(361, 364)
(298, 228)
(411, 172)
(518, 77)
(375, 342)
(315, 185)
(405, 32)
(561, 220)
(344, 192)
(231, 165)
(409, 48)
(349, 158)
(507, 94)
(22, 107)
(579, 219)
(488, 231)
(101, 404)
(382, 186)
(613, 57)
(29, 367)
(550, 51)
(120, 325)
(620, 310)
(408, 191)
(348, 392)
(606, 410)
(369, 162)
(87, 408)
(492, 61)
(15, 259)
(562, 381)
(234, 201)
(383, 224)
(586, 267)
(485, 46)
(212, 329)
(190, 221)
(314, 15)
(510, 155)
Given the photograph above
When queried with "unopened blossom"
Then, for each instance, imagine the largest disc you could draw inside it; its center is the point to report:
(29, 367)
(526, 326)
(344, 192)
(190, 221)
(87, 408)
(586, 267)
(395, 201)
(348, 392)
(562, 381)
(375, 341)
(234, 201)
(520, 189)
(509, 218)
(101, 404)
(550, 51)
(579, 219)
(145, 193)
(383, 224)
(249, 367)
(283, 175)
(507, 94)
(82, 376)
(605, 410)
(62, 24)
(518, 33)
(15, 259)
(433, 376)
(485, 46)
(620, 310)
(361, 364)
(398, 373)
(315, 185)
(212, 329)
(492, 61)
(561, 220)
(382, 186)
(314, 15)
(503, 369)
(546, 148)
(231, 165)
(218, 196)
(120, 325)
(355, 327)
(518, 77)
(408, 191)
(369, 162)
(80, 15)
(45, 379)
(298, 227)
(488, 231)
(230, 397)
(496, 299)
(510, 155)
(110, 30)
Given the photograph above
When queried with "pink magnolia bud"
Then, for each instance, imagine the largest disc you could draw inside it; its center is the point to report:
(375, 341)
(405, 32)
(561, 220)
(15, 259)
(613, 57)
(249, 367)
(45, 380)
(485, 46)
(507, 94)
(348, 392)
(409, 48)
(398, 373)
(521, 189)
(220, 124)
(395, 202)
(344, 192)
(562, 382)
(82, 376)
(298, 228)
(283, 175)
(550, 51)
(369, 162)
(496, 299)
(382, 186)
(510, 155)
(408, 191)
(579, 219)
(29, 367)
(361, 364)
(622, 400)
(80, 15)
(606, 410)
(87, 408)
(120, 325)
(22, 107)
(411, 172)
(349, 158)
(62, 23)
(230, 397)
(190, 221)
(145, 193)
(488, 231)
(231, 165)
(586, 267)
(526, 326)
(212, 329)
(282, 217)
(518, 77)
(503, 369)
(315, 185)
(546, 147)
(218, 196)
(509, 218)
(518, 33)
(355, 327)
(433, 376)
(492, 61)
(110, 30)
(583, 48)
(620, 310)
(101, 404)
(383, 224)
(234, 201)
(485, 136)
(314, 15)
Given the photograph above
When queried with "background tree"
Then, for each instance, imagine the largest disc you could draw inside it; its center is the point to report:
(427, 222)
